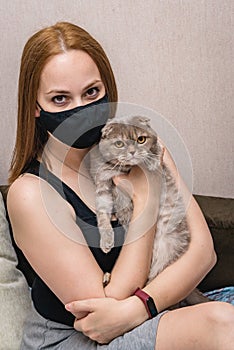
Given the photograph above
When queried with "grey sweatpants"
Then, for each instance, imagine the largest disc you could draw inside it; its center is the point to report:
(42, 334)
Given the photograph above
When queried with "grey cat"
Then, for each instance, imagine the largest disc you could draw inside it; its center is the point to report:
(126, 142)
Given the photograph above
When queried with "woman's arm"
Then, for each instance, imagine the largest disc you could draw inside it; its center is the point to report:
(179, 279)
(45, 230)
(132, 267)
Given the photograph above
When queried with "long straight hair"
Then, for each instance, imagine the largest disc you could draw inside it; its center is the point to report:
(43, 45)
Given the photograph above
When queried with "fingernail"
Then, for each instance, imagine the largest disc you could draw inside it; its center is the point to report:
(68, 306)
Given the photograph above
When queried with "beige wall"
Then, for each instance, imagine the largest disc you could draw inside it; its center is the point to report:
(174, 56)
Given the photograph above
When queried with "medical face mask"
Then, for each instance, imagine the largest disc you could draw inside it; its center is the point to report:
(79, 127)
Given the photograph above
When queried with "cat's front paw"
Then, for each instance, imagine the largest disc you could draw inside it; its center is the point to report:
(107, 240)
(106, 279)
(124, 215)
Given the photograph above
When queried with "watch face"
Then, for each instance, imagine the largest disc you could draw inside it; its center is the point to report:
(152, 307)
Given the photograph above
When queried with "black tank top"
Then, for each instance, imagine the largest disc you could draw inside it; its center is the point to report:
(45, 301)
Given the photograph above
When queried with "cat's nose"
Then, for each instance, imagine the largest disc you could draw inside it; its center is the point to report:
(131, 149)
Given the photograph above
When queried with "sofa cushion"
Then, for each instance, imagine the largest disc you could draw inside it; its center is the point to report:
(15, 301)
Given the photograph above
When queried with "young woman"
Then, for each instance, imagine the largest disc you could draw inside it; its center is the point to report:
(51, 206)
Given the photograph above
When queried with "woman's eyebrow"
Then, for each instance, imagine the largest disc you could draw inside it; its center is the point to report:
(92, 83)
(58, 91)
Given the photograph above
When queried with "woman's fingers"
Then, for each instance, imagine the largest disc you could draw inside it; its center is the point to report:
(80, 305)
(80, 308)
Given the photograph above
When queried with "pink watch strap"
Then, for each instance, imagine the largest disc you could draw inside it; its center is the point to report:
(144, 297)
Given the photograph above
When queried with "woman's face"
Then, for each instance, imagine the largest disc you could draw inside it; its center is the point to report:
(69, 80)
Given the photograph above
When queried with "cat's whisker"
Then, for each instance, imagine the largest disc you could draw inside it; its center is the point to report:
(150, 156)
(121, 167)
(147, 161)
(116, 165)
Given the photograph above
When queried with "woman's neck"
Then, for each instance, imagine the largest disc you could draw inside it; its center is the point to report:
(59, 154)
(71, 166)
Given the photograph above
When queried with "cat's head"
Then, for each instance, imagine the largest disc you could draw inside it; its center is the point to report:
(130, 141)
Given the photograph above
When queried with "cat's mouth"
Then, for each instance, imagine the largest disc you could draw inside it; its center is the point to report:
(129, 158)
(129, 161)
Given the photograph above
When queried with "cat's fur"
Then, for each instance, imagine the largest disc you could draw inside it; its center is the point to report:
(124, 143)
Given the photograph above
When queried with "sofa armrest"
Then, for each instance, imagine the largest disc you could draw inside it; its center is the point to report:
(219, 214)
(23, 264)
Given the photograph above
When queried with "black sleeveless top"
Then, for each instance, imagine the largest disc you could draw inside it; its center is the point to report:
(45, 301)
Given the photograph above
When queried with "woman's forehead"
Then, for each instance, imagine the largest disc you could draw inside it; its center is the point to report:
(63, 71)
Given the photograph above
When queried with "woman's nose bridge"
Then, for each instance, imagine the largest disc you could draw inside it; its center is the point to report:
(78, 102)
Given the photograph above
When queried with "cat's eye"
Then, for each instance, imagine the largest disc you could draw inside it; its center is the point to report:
(141, 139)
(119, 144)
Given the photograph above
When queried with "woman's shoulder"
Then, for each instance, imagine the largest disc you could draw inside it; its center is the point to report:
(30, 192)
(23, 197)
(26, 188)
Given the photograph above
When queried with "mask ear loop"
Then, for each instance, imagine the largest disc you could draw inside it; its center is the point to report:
(39, 105)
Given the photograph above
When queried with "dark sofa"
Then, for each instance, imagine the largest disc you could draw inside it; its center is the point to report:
(219, 214)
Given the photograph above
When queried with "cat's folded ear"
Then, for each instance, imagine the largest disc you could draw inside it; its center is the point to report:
(145, 121)
(106, 130)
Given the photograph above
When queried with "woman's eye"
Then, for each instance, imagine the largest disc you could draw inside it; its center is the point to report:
(119, 144)
(141, 139)
(59, 100)
(92, 92)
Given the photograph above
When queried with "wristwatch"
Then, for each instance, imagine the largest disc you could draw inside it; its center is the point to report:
(148, 302)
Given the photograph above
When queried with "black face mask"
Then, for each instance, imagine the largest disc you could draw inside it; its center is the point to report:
(79, 127)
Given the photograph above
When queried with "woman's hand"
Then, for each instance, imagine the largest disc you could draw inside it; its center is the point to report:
(107, 318)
